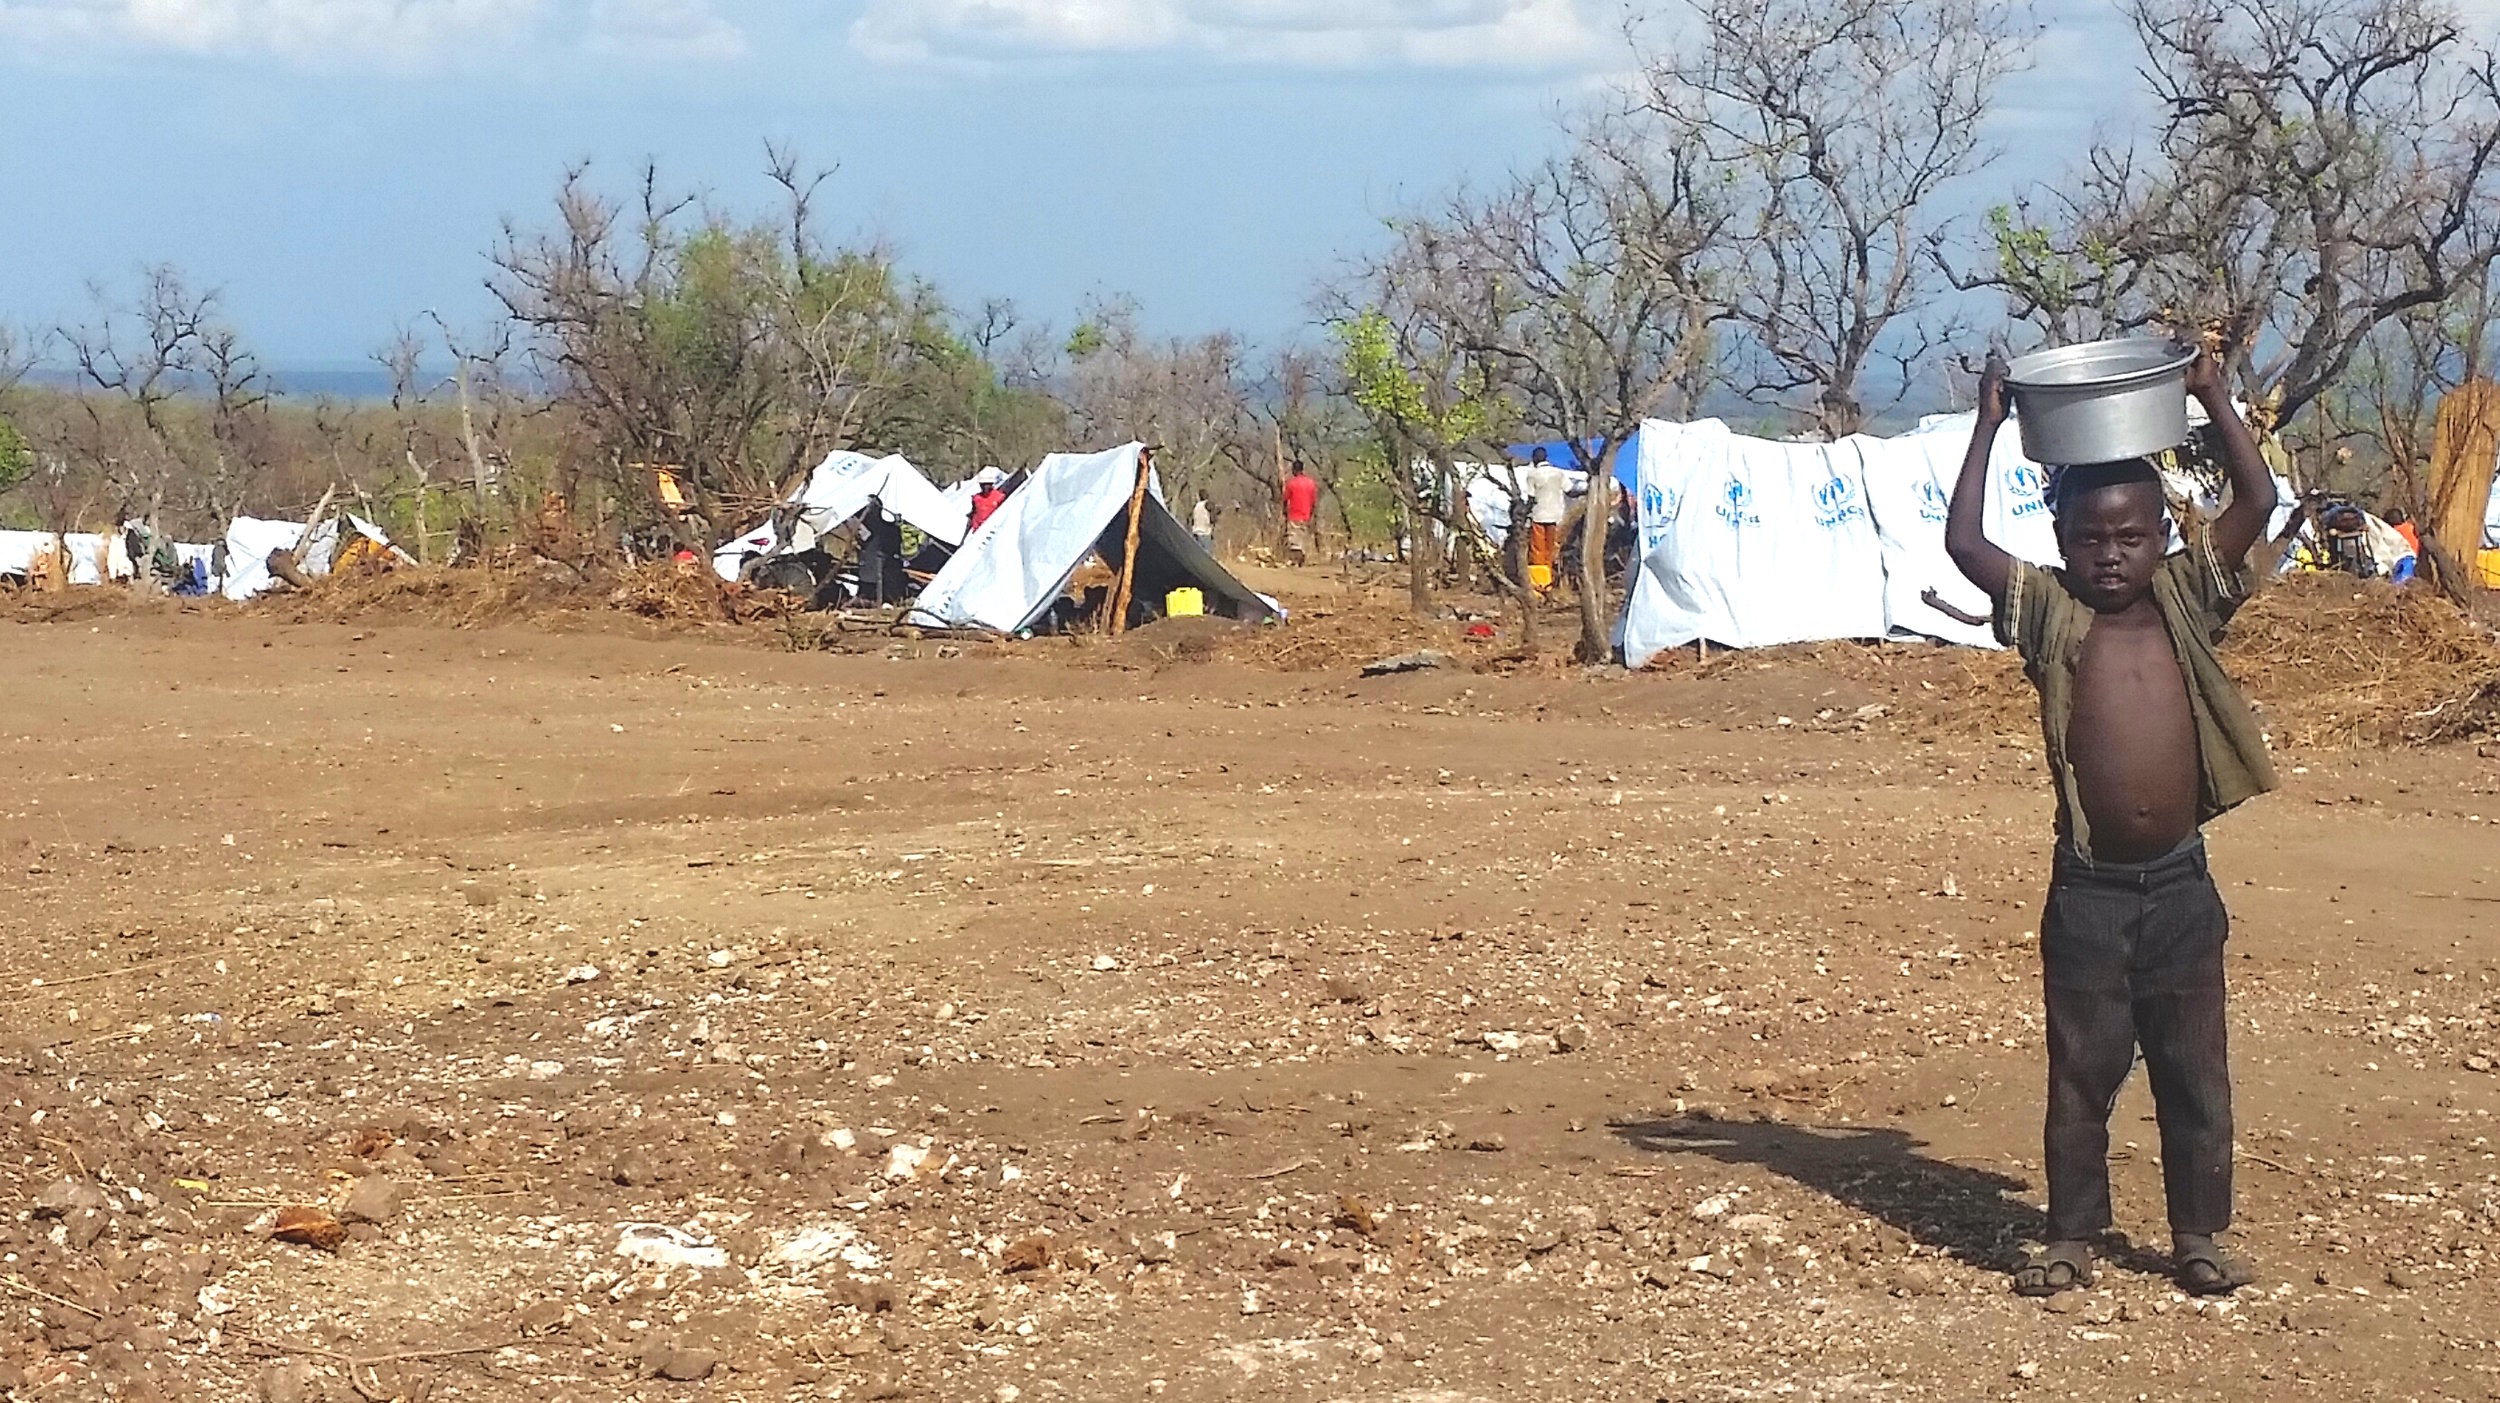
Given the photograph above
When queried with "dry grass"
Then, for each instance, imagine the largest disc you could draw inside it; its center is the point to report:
(2337, 662)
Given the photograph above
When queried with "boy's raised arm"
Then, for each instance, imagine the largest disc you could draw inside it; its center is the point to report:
(1980, 560)
(2252, 485)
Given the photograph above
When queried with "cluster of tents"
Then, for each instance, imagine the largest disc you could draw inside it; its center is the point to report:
(1012, 574)
(1740, 541)
(237, 567)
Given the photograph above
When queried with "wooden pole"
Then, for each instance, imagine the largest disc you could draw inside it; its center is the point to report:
(1125, 587)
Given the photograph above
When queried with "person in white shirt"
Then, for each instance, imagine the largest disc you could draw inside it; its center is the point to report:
(1549, 496)
(1202, 525)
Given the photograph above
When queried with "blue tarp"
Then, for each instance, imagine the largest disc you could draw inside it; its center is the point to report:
(1568, 456)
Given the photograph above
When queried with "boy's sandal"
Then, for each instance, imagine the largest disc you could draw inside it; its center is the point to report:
(2208, 1271)
(2061, 1267)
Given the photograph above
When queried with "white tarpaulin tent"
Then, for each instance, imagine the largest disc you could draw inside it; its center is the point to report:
(1008, 574)
(841, 488)
(1748, 542)
(249, 540)
(93, 559)
(1909, 484)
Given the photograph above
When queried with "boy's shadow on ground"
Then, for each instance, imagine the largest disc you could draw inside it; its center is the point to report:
(1969, 1214)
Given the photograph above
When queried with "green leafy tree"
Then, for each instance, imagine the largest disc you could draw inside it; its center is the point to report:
(1424, 397)
(16, 458)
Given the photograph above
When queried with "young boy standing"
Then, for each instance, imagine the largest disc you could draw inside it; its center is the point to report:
(2147, 740)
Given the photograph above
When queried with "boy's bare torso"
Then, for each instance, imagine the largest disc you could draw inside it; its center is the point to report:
(2132, 738)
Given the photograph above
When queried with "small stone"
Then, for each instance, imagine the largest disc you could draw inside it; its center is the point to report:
(1571, 1037)
(310, 1227)
(1659, 1275)
(2027, 1369)
(1155, 1249)
(1030, 1254)
(544, 1318)
(2063, 1303)
(290, 1383)
(1504, 1041)
(1762, 1226)
(866, 1297)
(2404, 1278)
(1757, 1081)
(80, 1230)
(2478, 1063)
(1104, 964)
(66, 1196)
(373, 1200)
(632, 1170)
(1918, 1279)
(681, 1365)
(1488, 1144)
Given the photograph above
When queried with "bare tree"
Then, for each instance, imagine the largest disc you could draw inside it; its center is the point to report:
(735, 354)
(1189, 397)
(1584, 283)
(19, 353)
(2320, 169)
(148, 356)
(1836, 133)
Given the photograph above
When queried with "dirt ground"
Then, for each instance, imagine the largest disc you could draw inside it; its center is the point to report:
(1162, 1025)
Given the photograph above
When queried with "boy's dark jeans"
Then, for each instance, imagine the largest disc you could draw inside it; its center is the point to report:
(2132, 953)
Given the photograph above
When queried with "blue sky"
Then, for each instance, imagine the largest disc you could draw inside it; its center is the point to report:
(339, 166)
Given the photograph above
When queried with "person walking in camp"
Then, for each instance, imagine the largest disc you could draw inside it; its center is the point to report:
(1301, 507)
(2148, 739)
(1549, 499)
(1202, 526)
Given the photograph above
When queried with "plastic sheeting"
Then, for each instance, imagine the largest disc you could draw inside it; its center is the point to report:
(249, 540)
(1749, 543)
(1023, 555)
(93, 558)
(1011, 570)
(841, 487)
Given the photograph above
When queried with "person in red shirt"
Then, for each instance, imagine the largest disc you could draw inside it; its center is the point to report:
(1301, 505)
(987, 501)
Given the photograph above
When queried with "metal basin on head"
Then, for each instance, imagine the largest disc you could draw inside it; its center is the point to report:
(2102, 400)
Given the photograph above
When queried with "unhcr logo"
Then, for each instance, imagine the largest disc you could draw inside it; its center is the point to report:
(1836, 503)
(1933, 505)
(2026, 490)
(1736, 505)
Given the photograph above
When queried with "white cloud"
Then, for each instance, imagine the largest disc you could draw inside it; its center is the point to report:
(368, 34)
(1306, 33)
